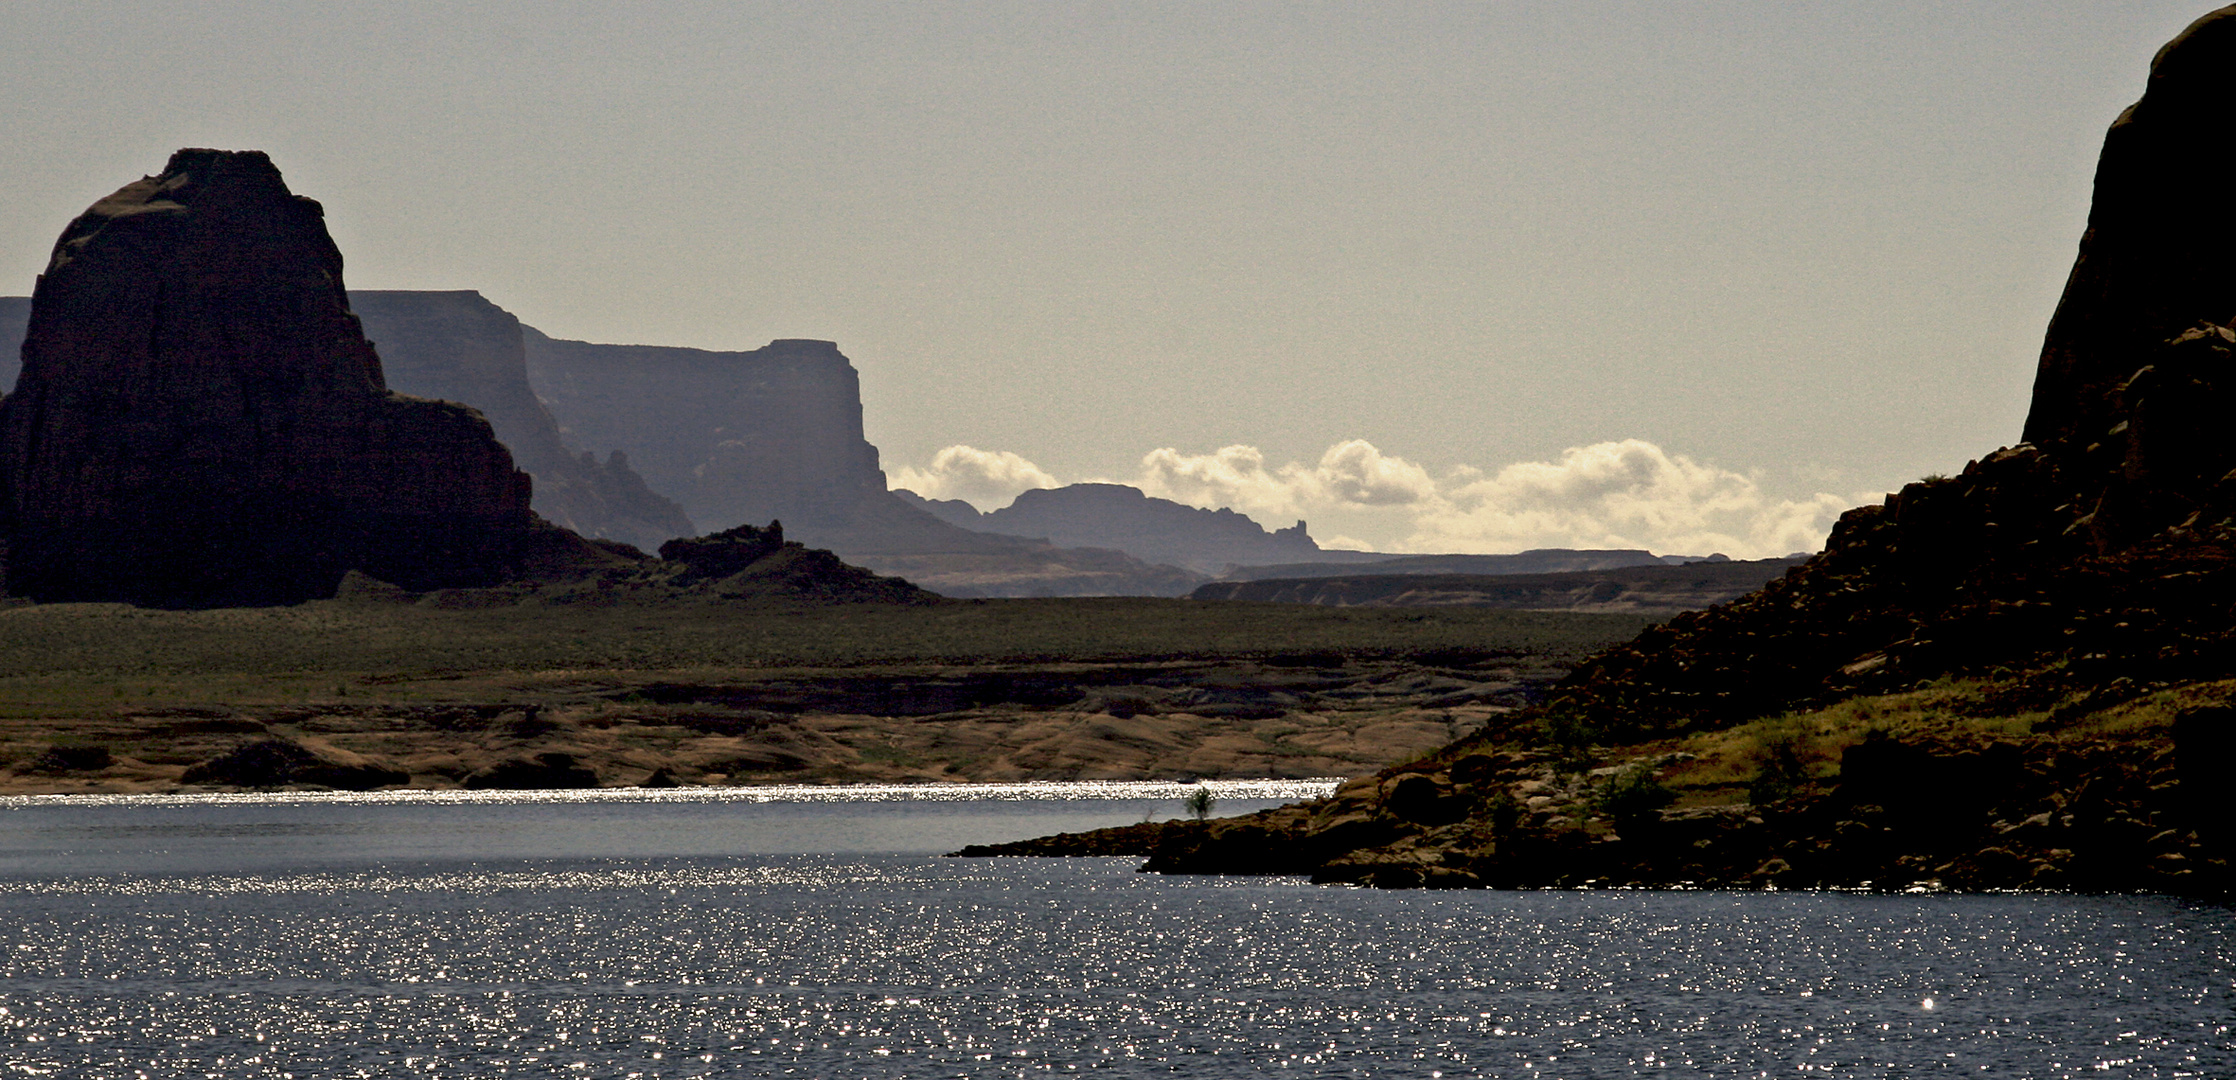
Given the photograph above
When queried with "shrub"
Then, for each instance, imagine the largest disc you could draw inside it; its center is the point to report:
(1633, 798)
(1779, 768)
(1199, 803)
(1571, 739)
(1505, 814)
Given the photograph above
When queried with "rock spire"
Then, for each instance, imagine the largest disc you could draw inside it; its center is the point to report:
(200, 421)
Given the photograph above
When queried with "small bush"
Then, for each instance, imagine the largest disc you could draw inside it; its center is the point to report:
(1571, 739)
(1199, 803)
(1779, 770)
(1633, 798)
(1505, 814)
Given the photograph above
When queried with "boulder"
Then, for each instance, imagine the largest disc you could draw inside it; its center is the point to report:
(550, 770)
(278, 762)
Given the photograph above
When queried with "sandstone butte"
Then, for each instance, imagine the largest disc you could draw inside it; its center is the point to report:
(200, 420)
(2070, 587)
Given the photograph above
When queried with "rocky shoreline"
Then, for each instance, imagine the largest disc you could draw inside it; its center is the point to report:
(2132, 811)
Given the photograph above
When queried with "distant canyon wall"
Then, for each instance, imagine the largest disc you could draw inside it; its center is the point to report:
(736, 437)
(457, 346)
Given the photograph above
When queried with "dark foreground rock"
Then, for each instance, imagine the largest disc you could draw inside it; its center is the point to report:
(548, 771)
(279, 763)
(200, 422)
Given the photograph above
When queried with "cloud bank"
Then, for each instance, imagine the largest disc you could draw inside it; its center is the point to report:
(1625, 494)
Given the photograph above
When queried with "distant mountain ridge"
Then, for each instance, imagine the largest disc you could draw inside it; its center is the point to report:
(1655, 589)
(1129, 520)
(1534, 561)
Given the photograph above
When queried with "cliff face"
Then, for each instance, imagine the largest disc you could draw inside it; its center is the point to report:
(2145, 272)
(200, 421)
(735, 437)
(457, 346)
(1126, 519)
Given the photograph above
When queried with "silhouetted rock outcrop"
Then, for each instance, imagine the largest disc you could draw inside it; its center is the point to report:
(747, 562)
(457, 346)
(550, 770)
(278, 762)
(200, 421)
(2146, 271)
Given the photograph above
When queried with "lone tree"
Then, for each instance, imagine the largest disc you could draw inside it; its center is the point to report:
(1199, 802)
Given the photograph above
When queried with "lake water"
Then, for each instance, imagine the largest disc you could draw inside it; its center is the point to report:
(812, 932)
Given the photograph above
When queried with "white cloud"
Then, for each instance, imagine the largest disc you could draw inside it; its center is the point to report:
(1352, 474)
(987, 479)
(1623, 495)
(1626, 494)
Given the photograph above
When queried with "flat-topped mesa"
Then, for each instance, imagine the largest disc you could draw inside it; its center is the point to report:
(200, 421)
(2152, 264)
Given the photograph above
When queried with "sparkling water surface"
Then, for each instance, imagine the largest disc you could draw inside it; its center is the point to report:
(818, 933)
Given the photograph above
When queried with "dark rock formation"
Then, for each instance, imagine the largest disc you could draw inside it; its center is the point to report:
(1125, 519)
(199, 420)
(70, 759)
(278, 762)
(746, 562)
(547, 771)
(1644, 589)
(457, 346)
(2145, 272)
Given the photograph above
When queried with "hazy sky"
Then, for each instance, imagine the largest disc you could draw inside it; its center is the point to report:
(1451, 276)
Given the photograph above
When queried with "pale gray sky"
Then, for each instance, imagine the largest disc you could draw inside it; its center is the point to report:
(1806, 247)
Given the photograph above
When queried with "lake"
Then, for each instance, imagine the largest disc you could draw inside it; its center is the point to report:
(817, 932)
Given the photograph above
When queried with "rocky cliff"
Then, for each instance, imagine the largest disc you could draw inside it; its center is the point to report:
(1126, 519)
(199, 419)
(457, 346)
(735, 437)
(2020, 675)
